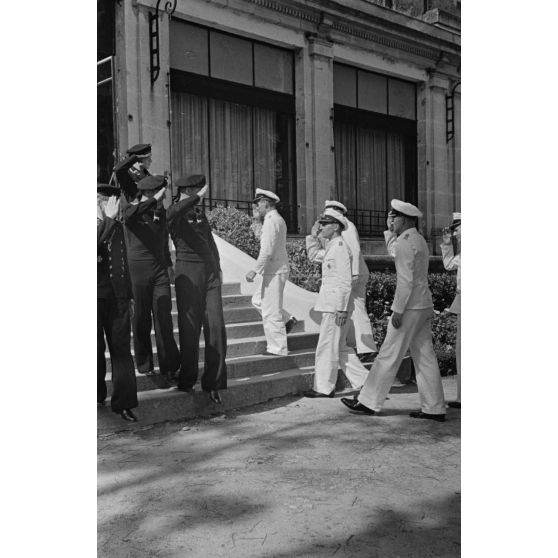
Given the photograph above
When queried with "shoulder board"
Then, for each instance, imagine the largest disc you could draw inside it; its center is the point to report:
(406, 236)
(340, 243)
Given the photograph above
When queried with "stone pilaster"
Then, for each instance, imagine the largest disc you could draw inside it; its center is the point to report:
(321, 174)
(143, 108)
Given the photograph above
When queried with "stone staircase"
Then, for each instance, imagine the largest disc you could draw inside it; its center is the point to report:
(252, 377)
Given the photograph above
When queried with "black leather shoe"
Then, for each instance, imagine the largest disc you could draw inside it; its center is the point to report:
(367, 358)
(455, 404)
(421, 415)
(215, 397)
(290, 323)
(127, 414)
(354, 405)
(312, 393)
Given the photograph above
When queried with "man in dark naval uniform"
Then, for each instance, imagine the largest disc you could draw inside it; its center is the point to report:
(198, 291)
(133, 168)
(114, 292)
(149, 261)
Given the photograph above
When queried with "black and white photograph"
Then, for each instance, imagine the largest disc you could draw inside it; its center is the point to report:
(278, 288)
(279, 327)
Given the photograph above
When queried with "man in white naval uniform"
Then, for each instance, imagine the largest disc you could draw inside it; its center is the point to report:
(273, 265)
(360, 333)
(336, 304)
(409, 326)
(451, 256)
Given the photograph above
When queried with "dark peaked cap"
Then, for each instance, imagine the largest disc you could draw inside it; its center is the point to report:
(139, 149)
(192, 181)
(152, 182)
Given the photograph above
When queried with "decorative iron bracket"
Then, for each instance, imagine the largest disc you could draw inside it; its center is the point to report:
(450, 113)
(169, 8)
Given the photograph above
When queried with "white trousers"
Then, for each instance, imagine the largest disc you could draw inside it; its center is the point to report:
(458, 357)
(415, 335)
(359, 333)
(333, 353)
(268, 299)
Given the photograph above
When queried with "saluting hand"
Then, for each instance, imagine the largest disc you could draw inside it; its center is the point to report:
(160, 193)
(203, 191)
(446, 236)
(316, 229)
(112, 207)
(396, 320)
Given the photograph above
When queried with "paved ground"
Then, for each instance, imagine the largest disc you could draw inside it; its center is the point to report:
(291, 478)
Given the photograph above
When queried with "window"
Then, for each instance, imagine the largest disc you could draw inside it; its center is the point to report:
(206, 52)
(232, 115)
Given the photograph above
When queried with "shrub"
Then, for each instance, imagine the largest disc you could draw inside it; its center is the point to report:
(233, 226)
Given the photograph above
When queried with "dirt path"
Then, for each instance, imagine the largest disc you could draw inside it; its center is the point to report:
(291, 478)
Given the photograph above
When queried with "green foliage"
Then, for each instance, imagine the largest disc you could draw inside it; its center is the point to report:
(233, 226)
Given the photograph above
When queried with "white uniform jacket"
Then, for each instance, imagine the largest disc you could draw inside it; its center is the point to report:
(351, 238)
(451, 262)
(337, 265)
(273, 258)
(411, 263)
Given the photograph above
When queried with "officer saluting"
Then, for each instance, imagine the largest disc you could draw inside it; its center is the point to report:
(409, 327)
(113, 306)
(360, 331)
(133, 168)
(335, 303)
(147, 242)
(198, 290)
(273, 265)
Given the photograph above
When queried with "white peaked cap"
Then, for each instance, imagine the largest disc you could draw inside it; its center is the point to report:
(332, 215)
(335, 204)
(266, 194)
(406, 208)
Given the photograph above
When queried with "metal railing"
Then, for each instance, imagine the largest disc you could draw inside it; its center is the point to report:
(368, 222)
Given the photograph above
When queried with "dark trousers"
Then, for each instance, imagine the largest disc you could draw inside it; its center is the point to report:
(152, 297)
(198, 297)
(113, 322)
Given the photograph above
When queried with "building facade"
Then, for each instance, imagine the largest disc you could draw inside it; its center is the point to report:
(354, 100)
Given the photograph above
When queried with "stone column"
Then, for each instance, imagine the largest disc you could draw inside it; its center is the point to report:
(436, 179)
(319, 163)
(142, 107)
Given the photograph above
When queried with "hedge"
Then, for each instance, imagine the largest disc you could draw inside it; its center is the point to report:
(234, 226)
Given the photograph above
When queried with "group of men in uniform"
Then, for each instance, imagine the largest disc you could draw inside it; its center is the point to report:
(135, 271)
(134, 274)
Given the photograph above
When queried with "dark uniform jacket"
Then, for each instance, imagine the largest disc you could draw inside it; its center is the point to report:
(113, 277)
(191, 233)
(147, 237)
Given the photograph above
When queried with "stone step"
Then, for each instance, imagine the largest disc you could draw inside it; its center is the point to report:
(250, 346)
(237, 331)
(229, 301)
(229, 289)
(237, 367)
(158, 406)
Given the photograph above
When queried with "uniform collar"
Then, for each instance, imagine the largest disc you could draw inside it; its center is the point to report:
(412, 230)
(269, 213)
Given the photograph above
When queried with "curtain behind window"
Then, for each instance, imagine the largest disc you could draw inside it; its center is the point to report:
(266, 169)
(189, 135)
(239, 142)
(371, 171)
(395, 166)
(345, 159)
